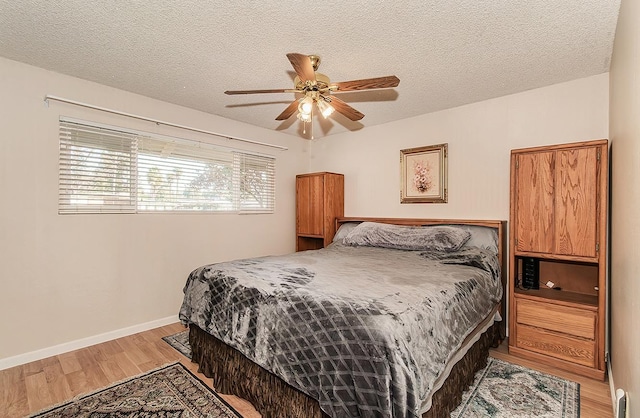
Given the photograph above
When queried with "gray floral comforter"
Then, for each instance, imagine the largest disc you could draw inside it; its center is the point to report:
(365, 331)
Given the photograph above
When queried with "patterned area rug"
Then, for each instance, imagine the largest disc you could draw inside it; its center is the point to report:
(180, 342)
(170, 391)
(505, 390)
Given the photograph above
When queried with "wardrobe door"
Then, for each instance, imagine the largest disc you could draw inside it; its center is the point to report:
(576, 202)
(309, 205)
(534, 197)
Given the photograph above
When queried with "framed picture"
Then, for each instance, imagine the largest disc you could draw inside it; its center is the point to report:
(423, 174)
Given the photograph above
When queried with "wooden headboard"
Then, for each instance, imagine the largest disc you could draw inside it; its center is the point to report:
(502, 245)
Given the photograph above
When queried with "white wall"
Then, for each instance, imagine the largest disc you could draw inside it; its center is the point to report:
(480, 137)
(64, 278)
(625, 200)
(69, 277)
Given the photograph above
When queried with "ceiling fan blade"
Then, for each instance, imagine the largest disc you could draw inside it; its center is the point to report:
(367, 83)
(345, 109)
(302, 65)
(290, 110)
(261, 91)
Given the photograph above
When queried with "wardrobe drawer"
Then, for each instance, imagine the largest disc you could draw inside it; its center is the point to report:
(565, 319)
(561, 346)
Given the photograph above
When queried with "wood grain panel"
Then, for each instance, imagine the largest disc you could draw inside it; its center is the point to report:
(13, 392)
(534, 196)
(333, 205)
(37, 391)
(303, 207)
(309, 205)
(556, 345)
(576, 202)
(317, 208)
(564, 319)
(571, 277)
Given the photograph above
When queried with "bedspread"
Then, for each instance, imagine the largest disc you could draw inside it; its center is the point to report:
(365, 331)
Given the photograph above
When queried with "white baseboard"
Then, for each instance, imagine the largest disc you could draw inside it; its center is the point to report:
(8, 362)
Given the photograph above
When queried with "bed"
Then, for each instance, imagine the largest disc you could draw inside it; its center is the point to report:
(390, 320)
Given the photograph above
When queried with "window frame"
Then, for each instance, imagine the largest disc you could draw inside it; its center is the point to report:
(79, 136)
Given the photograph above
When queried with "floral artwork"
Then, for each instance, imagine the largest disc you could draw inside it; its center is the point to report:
(423, 174)
(422, 177)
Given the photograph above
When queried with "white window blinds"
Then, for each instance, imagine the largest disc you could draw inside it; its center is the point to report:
(97, 170)
(257, 181)
(108, 170)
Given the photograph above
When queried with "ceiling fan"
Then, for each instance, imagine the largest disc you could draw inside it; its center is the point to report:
(317, 88)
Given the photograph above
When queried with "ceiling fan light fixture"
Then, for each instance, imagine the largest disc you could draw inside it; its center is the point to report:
(305, 117)
(325, 108)
(305, 106)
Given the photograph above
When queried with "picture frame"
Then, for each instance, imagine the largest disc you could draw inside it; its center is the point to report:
(423, 174)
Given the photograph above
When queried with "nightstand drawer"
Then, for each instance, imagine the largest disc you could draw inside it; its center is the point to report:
(561, 346)
(565, 319)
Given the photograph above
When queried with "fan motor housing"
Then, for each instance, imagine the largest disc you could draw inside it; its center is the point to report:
(322, 83)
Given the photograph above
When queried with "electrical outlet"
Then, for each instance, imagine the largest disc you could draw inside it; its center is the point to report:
(621, 404)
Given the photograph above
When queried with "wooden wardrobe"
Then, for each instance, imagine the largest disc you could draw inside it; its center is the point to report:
(319, 201)
(558, 255)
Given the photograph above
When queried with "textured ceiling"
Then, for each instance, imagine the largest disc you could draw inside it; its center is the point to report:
(188, 52)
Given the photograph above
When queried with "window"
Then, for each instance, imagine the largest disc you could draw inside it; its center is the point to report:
(112, 170)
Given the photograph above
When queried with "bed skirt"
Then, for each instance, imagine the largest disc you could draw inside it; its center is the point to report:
(233, 373)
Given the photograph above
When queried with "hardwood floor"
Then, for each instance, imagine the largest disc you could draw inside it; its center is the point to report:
(31, 387)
